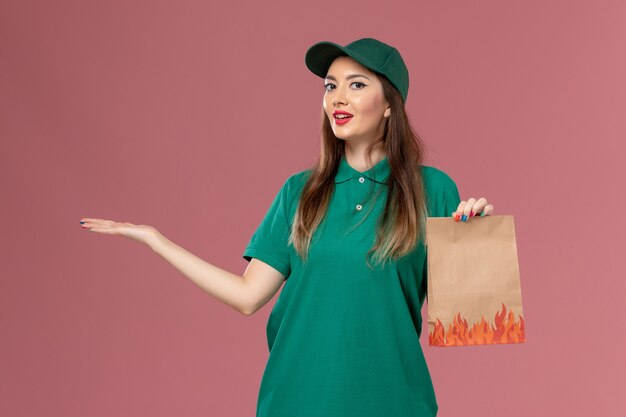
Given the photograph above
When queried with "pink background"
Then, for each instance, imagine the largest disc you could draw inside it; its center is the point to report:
(188, 116)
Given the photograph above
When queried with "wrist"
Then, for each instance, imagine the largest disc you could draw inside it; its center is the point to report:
(157, 241)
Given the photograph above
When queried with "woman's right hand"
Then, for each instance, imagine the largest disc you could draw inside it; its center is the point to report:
(141, 233)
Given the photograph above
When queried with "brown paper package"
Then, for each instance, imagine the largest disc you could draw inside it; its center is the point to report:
(474, 292)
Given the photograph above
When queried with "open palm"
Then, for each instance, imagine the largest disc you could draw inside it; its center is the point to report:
(141, 233)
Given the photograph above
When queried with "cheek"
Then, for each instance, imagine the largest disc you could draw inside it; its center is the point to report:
(327, 105)
(369, 107)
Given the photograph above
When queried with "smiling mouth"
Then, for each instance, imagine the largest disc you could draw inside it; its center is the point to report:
(342, 120)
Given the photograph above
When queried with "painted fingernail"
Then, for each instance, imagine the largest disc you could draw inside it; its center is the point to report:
(456, 217)
(482, 214)
(464, 218)
(472, 213)
(82, 222)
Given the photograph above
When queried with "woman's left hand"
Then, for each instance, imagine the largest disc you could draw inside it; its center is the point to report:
(472, 207)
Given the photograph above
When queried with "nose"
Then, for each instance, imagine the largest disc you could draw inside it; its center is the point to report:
(337, 100)
(339, 97)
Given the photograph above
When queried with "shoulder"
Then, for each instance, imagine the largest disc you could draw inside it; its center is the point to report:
(442, 195)
(292, 189)
(436, 179)
(296, 181)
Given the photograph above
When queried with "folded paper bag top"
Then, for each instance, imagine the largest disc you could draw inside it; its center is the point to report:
(474, 292)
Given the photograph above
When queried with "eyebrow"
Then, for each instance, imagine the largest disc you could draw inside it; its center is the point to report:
(330, 77)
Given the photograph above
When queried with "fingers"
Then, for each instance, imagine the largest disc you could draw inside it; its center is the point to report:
(472, 207)
(96, 221)
(97, 225)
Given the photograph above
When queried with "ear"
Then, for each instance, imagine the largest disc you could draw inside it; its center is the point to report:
(387, 112)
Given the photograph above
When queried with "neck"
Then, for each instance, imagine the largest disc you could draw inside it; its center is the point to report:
(357, 156)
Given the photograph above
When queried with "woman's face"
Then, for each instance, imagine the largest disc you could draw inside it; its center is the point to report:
(352, 88)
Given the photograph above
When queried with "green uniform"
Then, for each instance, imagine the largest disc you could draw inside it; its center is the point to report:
(344, 339)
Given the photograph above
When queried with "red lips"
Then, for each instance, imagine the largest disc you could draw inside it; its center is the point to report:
(341, 121)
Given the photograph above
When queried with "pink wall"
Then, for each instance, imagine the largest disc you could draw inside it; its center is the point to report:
(188, 116)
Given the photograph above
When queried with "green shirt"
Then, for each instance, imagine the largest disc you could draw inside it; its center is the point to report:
(344, 339)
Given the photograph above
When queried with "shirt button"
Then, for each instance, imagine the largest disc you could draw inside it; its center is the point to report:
(361, 179)
(359, 207)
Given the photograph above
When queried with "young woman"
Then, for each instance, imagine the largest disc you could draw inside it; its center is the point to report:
(345, 238)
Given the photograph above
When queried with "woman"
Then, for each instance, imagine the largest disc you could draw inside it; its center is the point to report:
(346, 239)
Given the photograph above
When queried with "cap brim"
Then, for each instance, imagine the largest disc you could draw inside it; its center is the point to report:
(320, 56)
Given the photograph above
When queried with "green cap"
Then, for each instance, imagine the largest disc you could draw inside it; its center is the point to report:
(371, 53)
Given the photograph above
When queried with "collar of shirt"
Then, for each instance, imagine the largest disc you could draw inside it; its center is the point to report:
(378, 173)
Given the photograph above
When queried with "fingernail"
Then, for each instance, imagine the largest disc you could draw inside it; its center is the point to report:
(482, 214)
(82, 222)
(464, 218)
(472, 213)
(456, 217)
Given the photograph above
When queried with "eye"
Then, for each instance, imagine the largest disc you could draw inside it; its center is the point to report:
(327, 85)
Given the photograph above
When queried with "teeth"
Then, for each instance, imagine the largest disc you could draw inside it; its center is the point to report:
(342, 116)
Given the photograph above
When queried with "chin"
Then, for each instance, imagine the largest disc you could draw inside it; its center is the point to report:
(343, 134)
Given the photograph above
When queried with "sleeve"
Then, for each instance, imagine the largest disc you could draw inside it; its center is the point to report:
(451, 200)
(269, 241)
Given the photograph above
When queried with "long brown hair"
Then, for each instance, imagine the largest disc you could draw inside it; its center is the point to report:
(402, 223)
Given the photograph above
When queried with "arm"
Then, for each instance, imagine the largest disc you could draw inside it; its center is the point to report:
(263, 282)
(245, 294)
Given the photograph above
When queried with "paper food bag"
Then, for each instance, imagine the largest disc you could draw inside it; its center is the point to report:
(474, 293)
